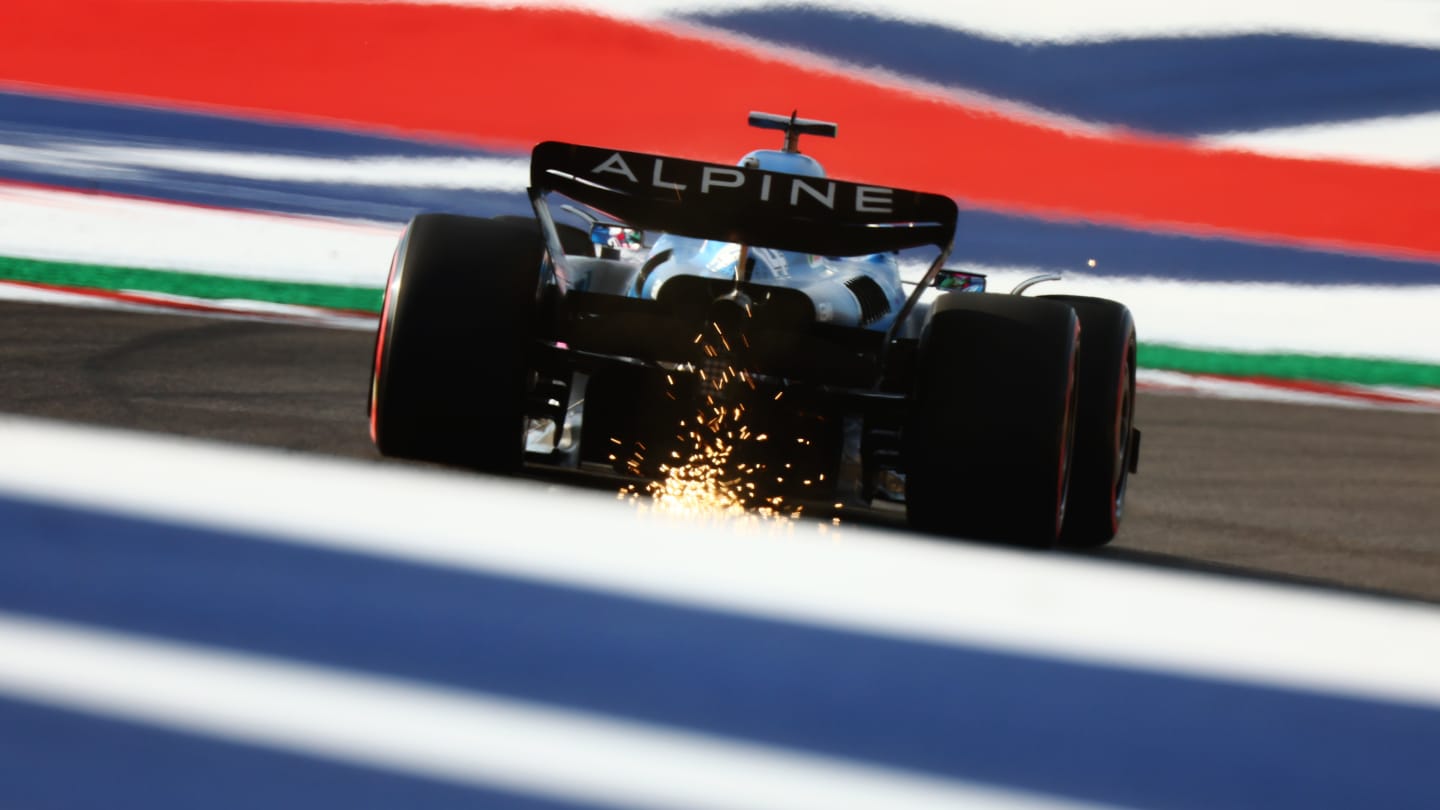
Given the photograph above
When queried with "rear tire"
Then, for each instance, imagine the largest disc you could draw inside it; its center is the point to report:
(1106, 421)
(573, 240)
(451, 374)
(987, 442)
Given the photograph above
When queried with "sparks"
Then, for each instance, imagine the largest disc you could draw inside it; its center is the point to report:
(704, 482)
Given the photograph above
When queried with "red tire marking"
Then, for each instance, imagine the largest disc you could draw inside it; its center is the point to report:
(380, 350)
(1068, 435)
(1122, 439)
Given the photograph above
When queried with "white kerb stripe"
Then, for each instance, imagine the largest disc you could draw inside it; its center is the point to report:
(394, 171)
(443, 734)
(856, 579)
(123, 232)
(1401, 140)
(1410, 22)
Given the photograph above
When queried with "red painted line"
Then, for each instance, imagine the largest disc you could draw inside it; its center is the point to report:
(1326, 389)
(509, 78)
(121, 296)
(180, 304)
(1337, 394)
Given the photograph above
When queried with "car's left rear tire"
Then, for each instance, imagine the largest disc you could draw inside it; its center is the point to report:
(574, 241)
(450, 381)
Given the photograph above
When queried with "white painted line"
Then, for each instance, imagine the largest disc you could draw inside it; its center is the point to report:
(87, 159)
(1408, 22)
(1430, 396)
(445, 734)
(123, 232)
(1406, 140)
(853, 578)
(1341, 320)
(1416, 399)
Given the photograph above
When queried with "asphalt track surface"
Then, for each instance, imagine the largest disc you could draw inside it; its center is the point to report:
(1316, 496)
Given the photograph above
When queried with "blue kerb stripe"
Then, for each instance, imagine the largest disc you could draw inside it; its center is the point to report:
(984, 237)
(1177, 85)
(53, 758)
(48, 122)
(30, 118)
(1092, 732)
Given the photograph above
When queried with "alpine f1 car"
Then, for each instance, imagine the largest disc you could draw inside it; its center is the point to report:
(756, 318)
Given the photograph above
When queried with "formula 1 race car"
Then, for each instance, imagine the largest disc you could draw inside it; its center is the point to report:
(660, 314)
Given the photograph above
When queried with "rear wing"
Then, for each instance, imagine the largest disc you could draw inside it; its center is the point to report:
(743, 205)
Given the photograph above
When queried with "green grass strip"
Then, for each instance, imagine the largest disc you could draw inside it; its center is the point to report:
(366, 299)
(1353, 370)
(194, 285)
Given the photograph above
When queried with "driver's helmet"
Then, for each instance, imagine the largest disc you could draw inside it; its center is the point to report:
(718, 259)
(775, 160)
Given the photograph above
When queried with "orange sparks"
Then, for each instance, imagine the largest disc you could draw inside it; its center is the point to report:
(703, 481)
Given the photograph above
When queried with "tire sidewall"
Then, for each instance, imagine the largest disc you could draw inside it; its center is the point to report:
(1106, 420)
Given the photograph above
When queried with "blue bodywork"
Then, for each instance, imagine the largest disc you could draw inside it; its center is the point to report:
(823, 279)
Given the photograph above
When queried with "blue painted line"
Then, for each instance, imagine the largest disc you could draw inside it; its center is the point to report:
(54, 758)
(985, 237)
(1179, 85)
(1100, 733)
(348, 201)
(45, 122)
(42, 118)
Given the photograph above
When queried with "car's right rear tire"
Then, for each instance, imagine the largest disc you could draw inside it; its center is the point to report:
(451, 378)
(987, 443)
(1104, 449)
